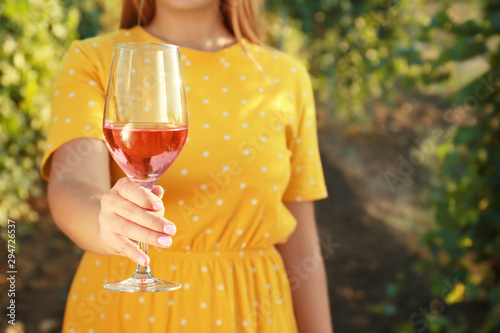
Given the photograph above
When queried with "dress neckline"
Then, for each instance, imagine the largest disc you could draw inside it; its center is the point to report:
(226, 52)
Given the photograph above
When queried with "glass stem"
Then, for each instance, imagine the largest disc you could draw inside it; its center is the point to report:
(140, 269)
(143, 269)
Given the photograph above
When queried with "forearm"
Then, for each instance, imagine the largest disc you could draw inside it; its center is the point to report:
(74, 192)
(75, 207)
(310, 298)
(304, 264)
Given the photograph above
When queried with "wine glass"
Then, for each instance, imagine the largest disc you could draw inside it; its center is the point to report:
(145, 126)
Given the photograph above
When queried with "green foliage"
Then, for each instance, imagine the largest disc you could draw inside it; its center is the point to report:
(467, 201)
(34, 36)
(362, 50)
(356, 50)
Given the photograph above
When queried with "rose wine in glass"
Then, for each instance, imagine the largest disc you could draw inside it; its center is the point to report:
(145, 127)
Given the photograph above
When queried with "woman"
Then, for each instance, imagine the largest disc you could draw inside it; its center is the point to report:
(240, 193)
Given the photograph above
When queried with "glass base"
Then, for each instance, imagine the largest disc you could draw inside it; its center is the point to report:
(142, 282)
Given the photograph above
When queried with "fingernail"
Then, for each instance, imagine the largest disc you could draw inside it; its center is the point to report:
(143, 261)
(169, 229)
(158, 205)
(165, 241)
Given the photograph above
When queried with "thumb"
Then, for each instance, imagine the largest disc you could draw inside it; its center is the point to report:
(158, 191)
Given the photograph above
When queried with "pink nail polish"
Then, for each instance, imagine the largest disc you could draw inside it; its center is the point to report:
(158, 205)
(165, 241)
(169, 229)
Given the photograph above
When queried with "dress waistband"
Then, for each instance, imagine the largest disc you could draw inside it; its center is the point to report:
(223, 254)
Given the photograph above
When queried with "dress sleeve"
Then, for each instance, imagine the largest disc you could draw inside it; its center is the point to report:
(307, 182)
(77, 103)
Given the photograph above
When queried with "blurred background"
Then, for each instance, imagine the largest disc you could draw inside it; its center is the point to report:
(408, 104)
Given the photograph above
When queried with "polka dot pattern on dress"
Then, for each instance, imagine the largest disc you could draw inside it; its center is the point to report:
(251, 145)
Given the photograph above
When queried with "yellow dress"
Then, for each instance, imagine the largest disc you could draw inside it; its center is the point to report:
(252, 144)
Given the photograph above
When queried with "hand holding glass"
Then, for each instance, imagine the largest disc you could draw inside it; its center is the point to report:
(145, 127)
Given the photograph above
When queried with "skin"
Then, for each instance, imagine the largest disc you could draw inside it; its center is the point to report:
(92, 213)
(202, 27)
(310, 298)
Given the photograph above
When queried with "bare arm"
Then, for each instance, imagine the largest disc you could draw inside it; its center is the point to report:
(307, 281)
(98, 218)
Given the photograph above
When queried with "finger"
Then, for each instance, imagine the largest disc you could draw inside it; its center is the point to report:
(138, 194)
(131, 230)
(158, 191)
(131, 212)
(131, 250)
(123, 246)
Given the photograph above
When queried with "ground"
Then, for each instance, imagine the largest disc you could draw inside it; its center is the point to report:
(369, 229)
